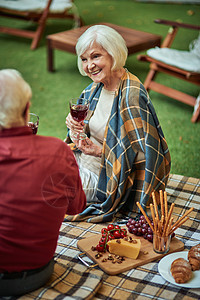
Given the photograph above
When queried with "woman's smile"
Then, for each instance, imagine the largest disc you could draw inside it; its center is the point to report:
(95, 72)
(97, 64)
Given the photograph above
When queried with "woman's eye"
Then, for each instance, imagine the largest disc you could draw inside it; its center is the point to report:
(83, 59)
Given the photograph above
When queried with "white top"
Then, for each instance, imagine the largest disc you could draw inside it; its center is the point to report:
(97, 125)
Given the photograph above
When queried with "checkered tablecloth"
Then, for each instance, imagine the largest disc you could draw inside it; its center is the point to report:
(72, 280)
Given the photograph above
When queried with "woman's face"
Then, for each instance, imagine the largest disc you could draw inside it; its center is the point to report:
(97, 64)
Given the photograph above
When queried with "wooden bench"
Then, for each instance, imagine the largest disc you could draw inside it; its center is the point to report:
(136, 41)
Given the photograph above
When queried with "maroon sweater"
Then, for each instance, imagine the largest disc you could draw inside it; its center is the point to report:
(39, 183)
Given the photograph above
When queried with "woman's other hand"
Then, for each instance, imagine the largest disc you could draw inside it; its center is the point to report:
(74, 125)
(88, 147)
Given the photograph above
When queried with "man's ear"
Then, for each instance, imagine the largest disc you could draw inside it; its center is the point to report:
(26, 112)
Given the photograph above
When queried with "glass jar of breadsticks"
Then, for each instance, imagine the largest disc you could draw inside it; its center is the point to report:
(163, 226)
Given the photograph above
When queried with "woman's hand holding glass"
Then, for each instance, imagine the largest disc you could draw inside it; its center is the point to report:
(73, 125)
(74, 121)
(86, 145)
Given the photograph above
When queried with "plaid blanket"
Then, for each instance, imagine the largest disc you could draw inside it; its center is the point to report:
(135, 157)
(71, 279)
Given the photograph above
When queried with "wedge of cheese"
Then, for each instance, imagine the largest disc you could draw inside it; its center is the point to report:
(121, 247)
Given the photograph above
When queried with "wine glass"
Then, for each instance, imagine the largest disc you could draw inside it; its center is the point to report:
(78, 109)
(33, 122)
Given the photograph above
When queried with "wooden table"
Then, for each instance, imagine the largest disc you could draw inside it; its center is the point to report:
(136, 41)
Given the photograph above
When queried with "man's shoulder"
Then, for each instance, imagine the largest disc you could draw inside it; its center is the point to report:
(52, 143)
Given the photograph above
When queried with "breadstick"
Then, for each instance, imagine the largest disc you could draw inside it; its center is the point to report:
(156, 209)
(175, 227)
(159, 241)
(169, 227)
(162, 220)
(155, 206)
(153, 217)
(162, 225)
(183, 216)
(158, 226)
(156, 242)
(161, 202)
(145, 215)
(166, 207)
(168, 218)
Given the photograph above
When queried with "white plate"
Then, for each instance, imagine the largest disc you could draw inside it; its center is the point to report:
(164, 270)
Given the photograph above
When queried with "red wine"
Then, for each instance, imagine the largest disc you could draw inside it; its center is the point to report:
(79, 112)
(33, 127)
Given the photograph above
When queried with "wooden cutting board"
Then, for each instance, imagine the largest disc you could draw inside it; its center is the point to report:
(113, 269)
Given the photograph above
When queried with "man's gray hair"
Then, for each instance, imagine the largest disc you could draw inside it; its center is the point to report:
(106, 37)
(15, 93)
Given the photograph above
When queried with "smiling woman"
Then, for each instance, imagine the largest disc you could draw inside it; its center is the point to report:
(100, 54)
(125, 156)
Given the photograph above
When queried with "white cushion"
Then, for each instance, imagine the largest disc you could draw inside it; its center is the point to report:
(36, 5)
(186, 60)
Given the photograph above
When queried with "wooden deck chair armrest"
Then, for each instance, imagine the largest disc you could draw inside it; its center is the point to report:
(176, 24)
(174, 27)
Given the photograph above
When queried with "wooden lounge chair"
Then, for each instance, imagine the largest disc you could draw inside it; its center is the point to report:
(159, 62)
(37, 11)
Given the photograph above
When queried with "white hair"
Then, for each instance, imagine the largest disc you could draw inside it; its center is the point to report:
(106, 37)
(15, 93)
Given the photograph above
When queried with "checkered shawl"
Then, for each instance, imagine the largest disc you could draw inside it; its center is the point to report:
(135, 157)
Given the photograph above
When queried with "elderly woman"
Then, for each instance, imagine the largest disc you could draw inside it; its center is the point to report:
(125, 156)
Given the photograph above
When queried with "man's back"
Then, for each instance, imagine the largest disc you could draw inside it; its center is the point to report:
(39, 183)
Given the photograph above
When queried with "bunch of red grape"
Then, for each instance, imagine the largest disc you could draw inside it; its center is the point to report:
(140, 228)
(109, 233)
